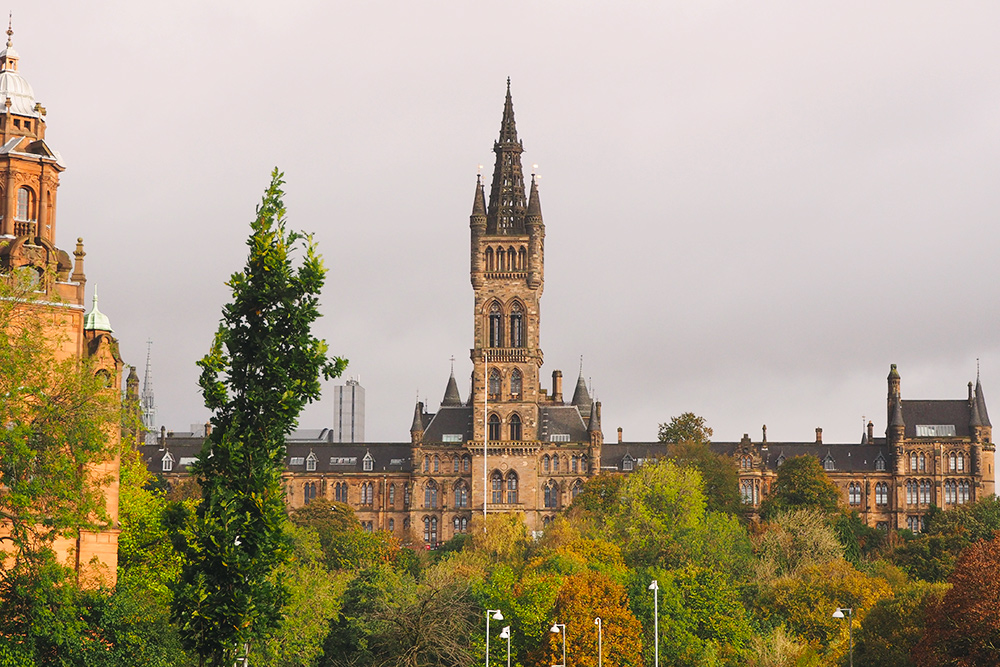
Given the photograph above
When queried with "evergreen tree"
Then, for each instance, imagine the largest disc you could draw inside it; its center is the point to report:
(264, 366)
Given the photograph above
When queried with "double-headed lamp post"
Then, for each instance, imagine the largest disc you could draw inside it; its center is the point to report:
(656, 621)
(505, 634)
(496, 615)
(597, 622)
(560, 627)
(847, 613)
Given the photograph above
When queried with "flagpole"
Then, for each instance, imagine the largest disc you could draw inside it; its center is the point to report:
(486, 431)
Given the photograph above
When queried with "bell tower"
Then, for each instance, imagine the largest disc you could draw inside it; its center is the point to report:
(507, 269)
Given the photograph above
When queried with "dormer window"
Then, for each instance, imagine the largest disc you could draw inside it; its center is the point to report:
(828, 463)
(628, 463)
(311, 462)
(368, 463)
(167, 462)
(880, 463)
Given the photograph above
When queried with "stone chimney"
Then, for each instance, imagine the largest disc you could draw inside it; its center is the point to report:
(619, 435)
(557, 395)
(819, 436)
(871, 433)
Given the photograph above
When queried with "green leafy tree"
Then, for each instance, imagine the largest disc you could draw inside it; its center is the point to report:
(56, 414)
(264, 366)
(894, 626)
(687, 427)
(793, 540)
(801, 483)
(662, 518)
(963, 629)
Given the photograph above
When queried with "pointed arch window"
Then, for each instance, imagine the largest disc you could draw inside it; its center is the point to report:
(516, 325)
(392, 494)
(545, 463)
(925, 492)
(923, 462)
(466, 463)
(960, 462)
(882, 494)
(512, 488)
(461, 495)
(501, 263)
(437, 463)
(515, 427)
(516, 382)
(496, 325)
(555, 464)
(308, 492)
(489, 259)
(575, 463)
(854, 494)
(494, 428)
(430, 530)
(913, 462)
(522, 259)
(340, 492)
(431, 494)
(496, 486)
(551, 495)
(495, 383)
(577, 488)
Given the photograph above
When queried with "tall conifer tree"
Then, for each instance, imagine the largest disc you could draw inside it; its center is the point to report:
(263, 368)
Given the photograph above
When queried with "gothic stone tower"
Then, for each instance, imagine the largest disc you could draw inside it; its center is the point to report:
(29, 178)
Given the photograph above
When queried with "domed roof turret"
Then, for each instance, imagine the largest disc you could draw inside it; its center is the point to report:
(13, 86)
(95, 320)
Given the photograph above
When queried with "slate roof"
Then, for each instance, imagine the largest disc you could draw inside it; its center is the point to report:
(956, 413)
(561, 419)
(449, 421)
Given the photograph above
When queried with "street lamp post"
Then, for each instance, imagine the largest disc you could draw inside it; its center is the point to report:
(560, 627)
(496, 615)
(849, 615)
(656, 621)
(505, 634)
(597, 622)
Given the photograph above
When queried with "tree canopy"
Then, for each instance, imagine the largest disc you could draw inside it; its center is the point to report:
(801, 483)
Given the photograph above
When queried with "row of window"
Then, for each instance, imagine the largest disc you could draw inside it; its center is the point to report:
(463, 464)
(572, 464)
(495, 385)
(495, 427)
(920, 462)
(367, 493)
(750, 491)
(515, 318)
(505, 260)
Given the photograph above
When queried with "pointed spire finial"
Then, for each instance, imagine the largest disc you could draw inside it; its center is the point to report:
(453, 364)
(10, 30)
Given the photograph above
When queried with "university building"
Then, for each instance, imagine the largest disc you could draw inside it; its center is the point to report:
(29, 180)
(517, 447)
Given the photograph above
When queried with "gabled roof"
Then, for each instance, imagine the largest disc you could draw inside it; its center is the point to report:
(924, 413)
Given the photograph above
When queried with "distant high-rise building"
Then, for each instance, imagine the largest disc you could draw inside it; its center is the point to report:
(349, 412)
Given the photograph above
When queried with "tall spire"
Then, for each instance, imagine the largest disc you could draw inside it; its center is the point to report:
(479, 203)
(507, 201)
(984, 416)
(451, 396)
(148, 402)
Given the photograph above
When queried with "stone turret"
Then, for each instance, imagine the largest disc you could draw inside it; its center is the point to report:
(417, 427)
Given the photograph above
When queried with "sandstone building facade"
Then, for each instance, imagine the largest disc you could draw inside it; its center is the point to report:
(512, 446)
(29, 180)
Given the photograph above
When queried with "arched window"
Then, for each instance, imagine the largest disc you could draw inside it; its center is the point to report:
(494, 428)
(963, 491)
(512, 488)
(925, 492)
(881, 494)
(952, 462)
(496, 484)
(522, 259)
(923, 462)
(551, 494)
(495, 383)
(746, 491)
(501, 264)
(489, 259)
(516, 325)
(26, 204)
(340, 492)
(583, 463)
(454, 464)
(392, 525)
(466, 463)
(515, 383)
(950, 492)
(575, 463)
(960, 462)
(854, 494)
(437, 463)
(431, 494)
(430, 530)
(309, 492)
(515, 427)
(512, 259)
(913, 462)
(392, 494)
(465, 524)
(555, 464)
(406, 495)
(577, 488)
(496, 325)
(461, 495)
(545, 463)
(458, 525)
(427, 464)
(911, 492)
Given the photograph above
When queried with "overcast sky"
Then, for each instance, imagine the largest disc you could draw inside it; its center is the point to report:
(751, 209)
